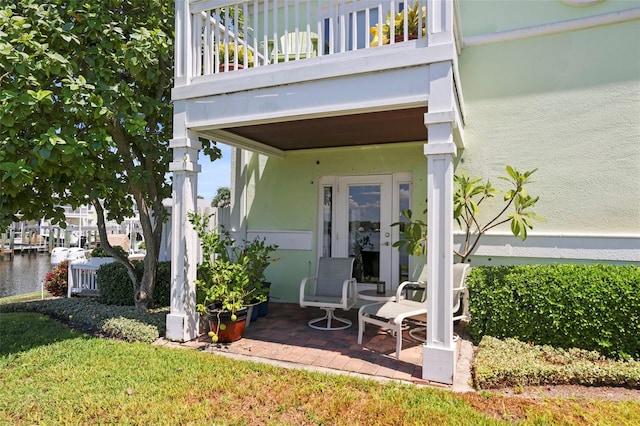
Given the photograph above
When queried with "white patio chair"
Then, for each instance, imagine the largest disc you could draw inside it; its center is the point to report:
(303, 42)
(333, 287)
(392, 315)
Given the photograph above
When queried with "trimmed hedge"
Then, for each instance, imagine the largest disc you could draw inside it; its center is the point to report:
(591, 307)
(514, 363)
(123, 322)
(116, 287)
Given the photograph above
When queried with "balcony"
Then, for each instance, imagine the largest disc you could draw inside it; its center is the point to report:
(299, 30)
(280, 75)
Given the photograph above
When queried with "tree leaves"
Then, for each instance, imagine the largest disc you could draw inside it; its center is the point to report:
(56, 98)
(85, 109)
(467, 198)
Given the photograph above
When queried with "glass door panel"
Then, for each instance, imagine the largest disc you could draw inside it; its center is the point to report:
(364, 208)
(364, 231)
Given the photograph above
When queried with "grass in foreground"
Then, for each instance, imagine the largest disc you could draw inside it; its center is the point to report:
(25, 297)
(52, 374)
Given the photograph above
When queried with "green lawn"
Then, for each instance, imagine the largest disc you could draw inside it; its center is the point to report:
(50, 374)
(24, 297)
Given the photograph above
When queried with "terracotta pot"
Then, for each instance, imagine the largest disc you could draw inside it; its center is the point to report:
(231, 67)
(400, 38)
(228, 331)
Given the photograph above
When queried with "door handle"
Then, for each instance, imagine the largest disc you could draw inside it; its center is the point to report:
(386, 243)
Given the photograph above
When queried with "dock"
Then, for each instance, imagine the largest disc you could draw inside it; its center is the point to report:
(6, 253)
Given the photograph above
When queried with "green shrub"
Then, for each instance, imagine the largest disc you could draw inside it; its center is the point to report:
(101, 252)
(56, 281)
(117, 289)
(115, 285)
(512, 363)
(592, 307)
(162, 291)
(123, 322)
(130, 330)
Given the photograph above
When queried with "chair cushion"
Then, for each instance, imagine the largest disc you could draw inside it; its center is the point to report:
(322, 301)
(332, 272)
(392, 310)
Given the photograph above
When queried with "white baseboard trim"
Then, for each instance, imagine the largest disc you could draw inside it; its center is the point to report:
(621, 248)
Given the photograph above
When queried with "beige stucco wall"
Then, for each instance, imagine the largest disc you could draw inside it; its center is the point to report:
(568, 104)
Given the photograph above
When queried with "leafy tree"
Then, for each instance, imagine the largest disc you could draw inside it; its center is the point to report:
(468, 195)
(86, 117)
(222, 198)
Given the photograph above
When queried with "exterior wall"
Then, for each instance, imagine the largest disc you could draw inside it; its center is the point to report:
(489, 16)
(283, 195)
(564, 103)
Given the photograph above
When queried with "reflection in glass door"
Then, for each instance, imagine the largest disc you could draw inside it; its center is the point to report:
(364, 231)
(355, 221)
(364, 221)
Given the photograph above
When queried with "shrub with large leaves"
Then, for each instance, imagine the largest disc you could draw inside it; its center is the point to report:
(469, 194)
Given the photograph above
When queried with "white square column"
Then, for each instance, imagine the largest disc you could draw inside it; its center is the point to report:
(439, 351)
(183, 319)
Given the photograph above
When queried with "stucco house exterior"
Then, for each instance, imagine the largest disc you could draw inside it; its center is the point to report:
(334, 132)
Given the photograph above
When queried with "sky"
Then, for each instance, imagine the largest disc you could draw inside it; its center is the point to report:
(214, 175)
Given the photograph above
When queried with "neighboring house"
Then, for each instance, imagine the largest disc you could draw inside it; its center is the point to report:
(337, 136)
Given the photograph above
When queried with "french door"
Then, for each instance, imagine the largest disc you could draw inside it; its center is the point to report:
(357, 213)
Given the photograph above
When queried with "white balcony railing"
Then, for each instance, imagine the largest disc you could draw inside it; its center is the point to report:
(82, 275)
(231, 35)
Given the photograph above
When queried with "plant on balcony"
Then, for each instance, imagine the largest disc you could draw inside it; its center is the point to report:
(233, 50)
(230, 278)
(467, 197)
(413, 22)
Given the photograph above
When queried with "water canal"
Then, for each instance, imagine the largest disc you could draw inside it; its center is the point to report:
(24, 274)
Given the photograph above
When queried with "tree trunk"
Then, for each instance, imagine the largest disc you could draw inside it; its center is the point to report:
(152, 232)
(104, 243)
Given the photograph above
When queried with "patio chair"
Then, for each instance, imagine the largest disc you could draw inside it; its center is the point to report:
(392, 315)
(333, 287)
(305, 41)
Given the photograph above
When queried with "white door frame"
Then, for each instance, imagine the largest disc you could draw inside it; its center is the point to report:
(390, 211)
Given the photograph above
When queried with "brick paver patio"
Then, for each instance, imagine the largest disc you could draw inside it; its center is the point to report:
(284, 336)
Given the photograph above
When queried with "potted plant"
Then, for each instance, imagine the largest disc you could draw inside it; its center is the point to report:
(413, 22)
(258, 256)
(232, 49)
(230, 278)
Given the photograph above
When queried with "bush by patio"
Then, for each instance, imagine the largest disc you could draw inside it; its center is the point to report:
(116, 288)
(511, 363)
(591, 307)
(122, 322)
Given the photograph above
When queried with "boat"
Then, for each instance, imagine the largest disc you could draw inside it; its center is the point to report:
(59, 254)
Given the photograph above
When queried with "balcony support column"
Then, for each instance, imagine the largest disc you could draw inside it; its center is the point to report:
(183, 319)
(439, 351)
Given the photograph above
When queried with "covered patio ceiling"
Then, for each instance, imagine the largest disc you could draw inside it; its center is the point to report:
(380, 127)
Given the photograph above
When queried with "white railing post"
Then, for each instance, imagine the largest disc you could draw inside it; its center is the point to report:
(70, 280)
(183, 46)
(273, 29)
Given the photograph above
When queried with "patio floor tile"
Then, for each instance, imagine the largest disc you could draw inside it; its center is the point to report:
(283, 335)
